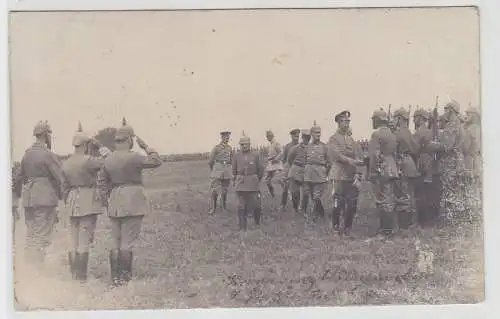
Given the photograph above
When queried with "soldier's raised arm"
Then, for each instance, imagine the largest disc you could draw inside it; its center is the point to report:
(153, 159)
(57, 175)
(97, 162)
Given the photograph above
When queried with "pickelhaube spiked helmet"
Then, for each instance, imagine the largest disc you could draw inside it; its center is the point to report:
(454, 105)
(244, 139)
(422, 113)
(402, 112)
(80, 137)
(41, 127)
(472, 110)
(380, 114)
(315, 128)
(124, 131)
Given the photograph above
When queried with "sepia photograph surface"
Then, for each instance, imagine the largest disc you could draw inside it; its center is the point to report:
(246, 158)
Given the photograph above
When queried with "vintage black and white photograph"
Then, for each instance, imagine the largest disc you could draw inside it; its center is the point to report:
(246, 158)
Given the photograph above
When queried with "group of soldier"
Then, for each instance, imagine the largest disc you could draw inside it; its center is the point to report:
(426, 178)
(92, 181)
(431, 173)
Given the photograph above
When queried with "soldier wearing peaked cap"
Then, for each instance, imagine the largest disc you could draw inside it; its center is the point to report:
(220, 171)
(408, 173)
(274, 164)
(427, 184)
(472, 156)
(383, 170)
(127, 204)
(81, 199)
(295, 135)
(452, 165)
(317, 169)
(296, 160)
(347, 158)
(43, 179)
(248, 170)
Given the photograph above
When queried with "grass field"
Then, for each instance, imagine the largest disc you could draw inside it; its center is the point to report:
(188, 259)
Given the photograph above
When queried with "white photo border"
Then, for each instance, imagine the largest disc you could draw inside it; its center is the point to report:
(490, 95)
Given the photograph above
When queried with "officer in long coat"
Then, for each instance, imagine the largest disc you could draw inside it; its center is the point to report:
(248, 171)
(220, 171)
(317, 168)
(452, 165)
(427, 184)
(297, 162)
(295, 135)
(383, 170)
(81, 198)
(408, 173)
(43, 179)
(347, 158)
(126, 198)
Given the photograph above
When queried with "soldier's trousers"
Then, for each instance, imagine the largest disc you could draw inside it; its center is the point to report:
(427, 198)
(345, 202)
(315, 191)
(273, 175)
(383, 191)
(40, 223)
(125, 231)
(403, 201)
(248, 201)
(218, 186)
(82, 230)
(295, 186)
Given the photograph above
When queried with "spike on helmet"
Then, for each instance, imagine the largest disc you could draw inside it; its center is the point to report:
(124, 132)
(244, 138)
(80, 137)
(315, 128)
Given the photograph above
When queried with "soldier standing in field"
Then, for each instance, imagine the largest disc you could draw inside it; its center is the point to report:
(452, 164)
(472, 155)
(43, 180)
(127, 203)
(295, 135)
(317, 169)
(427, 183)
(383, 170)
(273, 165)
(408, 173)
(248, 171)
(297, 161)
(82, 200)
(221, 175)
(347, 157)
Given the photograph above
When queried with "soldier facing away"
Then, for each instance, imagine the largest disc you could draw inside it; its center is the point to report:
(295, 135)
(383, 170)
(127, 203)
(404, 185)
(82, 200)
(248, 171)
(347, 157)
(427, 184)
(220, 171)
(274, 165)
(317, 169)
(297, 161)
(43, 180)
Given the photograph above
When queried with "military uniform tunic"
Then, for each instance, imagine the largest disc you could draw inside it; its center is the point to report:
(383, 173)
(127, 201)
(220, 162)
(404, 185)
(43, 180)
(317, 168)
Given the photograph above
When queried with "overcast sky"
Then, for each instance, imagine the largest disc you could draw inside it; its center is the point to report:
(180, 77)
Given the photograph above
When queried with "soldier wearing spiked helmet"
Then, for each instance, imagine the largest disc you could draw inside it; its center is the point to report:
(248, 171)
(220, 171)
(43, 179)
(127, 203)
(81, 199)
(317, 169)
(383, 170)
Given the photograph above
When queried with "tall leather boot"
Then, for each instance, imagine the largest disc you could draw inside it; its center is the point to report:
(295, 201)
(214, 198)
(125, 262)
(305, 204)
(257, 214)
(319, 209)
(114, 265)
(336, 217)
(81, 266)
(224, 201)
(271, 189)
(242, 218)
(71, 262)
(284, 198)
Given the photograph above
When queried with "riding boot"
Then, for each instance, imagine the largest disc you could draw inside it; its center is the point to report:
(71, 262)
(242, 219)
(82, 266)
(336, 217)
(257, 214)
(114, 263)
(224, 201)
(320, 210)
(214, 198)
(305, 203)
(295, 201)
(271, 189)
(284, 198)
(126, 259)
